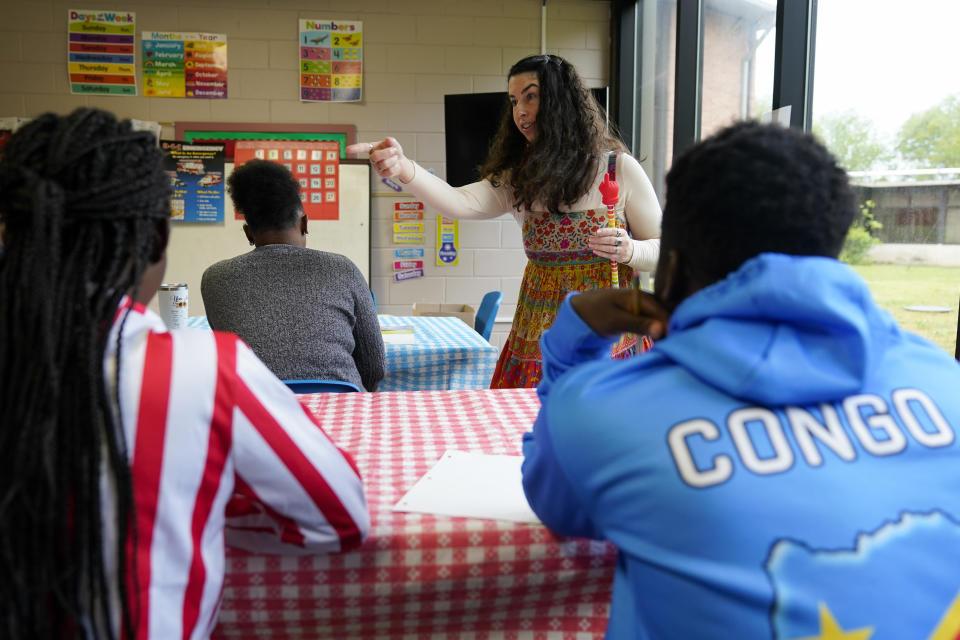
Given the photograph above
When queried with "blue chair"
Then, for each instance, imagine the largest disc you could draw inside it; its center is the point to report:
(320, 386)
(487, 314)
(374, 299)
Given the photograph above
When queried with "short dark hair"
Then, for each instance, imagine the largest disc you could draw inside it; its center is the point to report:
(267, 195)
(750, 189)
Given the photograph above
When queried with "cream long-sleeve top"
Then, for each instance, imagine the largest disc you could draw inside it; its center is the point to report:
(481, 200)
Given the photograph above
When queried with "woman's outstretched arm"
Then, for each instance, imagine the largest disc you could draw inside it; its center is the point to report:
(476, 201)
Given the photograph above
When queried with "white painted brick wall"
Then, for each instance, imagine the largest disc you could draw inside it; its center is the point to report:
(415, 52)
(432, 88)
(10, 48)
(496, 262)
(482, 233)
(245, 54)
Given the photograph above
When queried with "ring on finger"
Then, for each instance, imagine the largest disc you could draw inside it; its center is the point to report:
(617, 244)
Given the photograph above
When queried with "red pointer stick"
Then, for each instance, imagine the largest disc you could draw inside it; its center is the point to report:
(610, 191)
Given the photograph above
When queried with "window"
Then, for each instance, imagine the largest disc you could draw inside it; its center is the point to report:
(885, 106)
(738, 49)
(656, 74)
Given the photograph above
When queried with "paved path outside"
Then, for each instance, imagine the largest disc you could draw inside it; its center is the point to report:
(943, 255)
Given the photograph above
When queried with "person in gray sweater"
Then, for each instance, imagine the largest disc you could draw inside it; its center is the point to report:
(307, 314)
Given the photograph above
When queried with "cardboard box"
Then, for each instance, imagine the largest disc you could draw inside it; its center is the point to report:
(463, 311)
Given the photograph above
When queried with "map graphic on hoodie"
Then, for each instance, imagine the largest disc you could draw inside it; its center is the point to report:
(863, 592)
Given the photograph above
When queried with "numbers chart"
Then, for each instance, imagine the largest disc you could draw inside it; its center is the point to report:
(331, 61)
(315, 165)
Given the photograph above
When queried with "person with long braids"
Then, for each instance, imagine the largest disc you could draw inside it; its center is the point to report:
(545, 165)
(124, 447)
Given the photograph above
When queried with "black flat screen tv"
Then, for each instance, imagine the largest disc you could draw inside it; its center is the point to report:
(471, 121)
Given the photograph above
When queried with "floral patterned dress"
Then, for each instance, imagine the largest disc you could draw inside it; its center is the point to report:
(558, 261)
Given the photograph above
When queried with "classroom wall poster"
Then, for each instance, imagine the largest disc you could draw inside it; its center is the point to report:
(196, 175)
(405, 266)
(412, 210)
(408, 275)
(315, 165)
(392, 184)
(331, 61)
(448, 241)
(408, 227)
(184, 65)
(100, 52)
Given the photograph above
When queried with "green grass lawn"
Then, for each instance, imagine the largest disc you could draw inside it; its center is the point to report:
(897, 286)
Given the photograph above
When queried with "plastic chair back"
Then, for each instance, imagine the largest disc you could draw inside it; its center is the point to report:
(487, 314)
(320, 386)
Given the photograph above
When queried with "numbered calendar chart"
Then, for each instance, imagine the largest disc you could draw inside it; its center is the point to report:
(315, 165)
(331, 61)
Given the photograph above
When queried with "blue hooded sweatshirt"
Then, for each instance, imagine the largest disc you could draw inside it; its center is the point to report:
(785, 464)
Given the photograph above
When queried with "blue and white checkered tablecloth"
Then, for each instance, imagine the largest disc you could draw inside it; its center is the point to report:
(446, 354)
(198, 322)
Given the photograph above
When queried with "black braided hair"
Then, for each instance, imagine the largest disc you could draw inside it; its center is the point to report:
(560, 165)
(80, 200)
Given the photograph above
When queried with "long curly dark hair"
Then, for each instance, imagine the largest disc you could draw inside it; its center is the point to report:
(560, 165)
(80, 200)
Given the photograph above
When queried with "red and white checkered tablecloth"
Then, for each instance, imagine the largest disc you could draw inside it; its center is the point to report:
(423, 576)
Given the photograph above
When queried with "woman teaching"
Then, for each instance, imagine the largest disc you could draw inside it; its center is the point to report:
(544, 166)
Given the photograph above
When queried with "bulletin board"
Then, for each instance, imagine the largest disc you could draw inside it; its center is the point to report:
(194, 247)
(315, 166)
(230, 132)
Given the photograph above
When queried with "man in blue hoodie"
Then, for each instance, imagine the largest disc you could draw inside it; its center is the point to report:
(784, 463)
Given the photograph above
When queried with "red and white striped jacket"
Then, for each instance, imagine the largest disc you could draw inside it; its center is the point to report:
(220, 450)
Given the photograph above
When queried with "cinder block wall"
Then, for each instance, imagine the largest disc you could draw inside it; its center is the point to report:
(415, 51)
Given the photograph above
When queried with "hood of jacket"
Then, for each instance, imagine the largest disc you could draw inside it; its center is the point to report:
(782, 330)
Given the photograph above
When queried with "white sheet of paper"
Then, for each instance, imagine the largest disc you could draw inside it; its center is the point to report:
(402, 337)
(471, 485)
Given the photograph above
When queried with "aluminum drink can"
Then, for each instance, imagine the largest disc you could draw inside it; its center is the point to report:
(174, 304)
